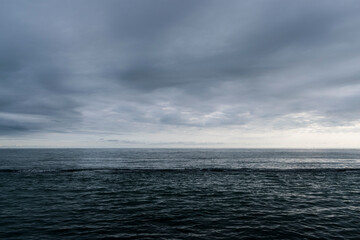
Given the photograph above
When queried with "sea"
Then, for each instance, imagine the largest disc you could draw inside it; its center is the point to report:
(179, 194)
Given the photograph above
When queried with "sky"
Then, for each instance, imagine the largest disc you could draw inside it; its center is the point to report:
(171, 73)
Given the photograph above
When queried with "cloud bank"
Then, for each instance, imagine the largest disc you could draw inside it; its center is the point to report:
(148, 68)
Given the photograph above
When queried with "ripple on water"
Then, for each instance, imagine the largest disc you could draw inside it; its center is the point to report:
(180, 204)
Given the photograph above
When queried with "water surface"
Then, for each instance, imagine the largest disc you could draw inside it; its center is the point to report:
(179, 194)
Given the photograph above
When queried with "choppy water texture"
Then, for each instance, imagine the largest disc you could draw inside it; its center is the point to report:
(179, 194)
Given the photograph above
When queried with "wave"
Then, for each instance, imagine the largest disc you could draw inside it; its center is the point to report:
(119, 170)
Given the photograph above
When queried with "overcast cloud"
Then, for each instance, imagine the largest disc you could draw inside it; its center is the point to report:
(157, 72)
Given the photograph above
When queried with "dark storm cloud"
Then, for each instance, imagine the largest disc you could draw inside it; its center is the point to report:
(121, 65)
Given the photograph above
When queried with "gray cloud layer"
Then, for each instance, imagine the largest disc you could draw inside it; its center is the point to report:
(132, 66)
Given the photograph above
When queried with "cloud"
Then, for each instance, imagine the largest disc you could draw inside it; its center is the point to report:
(144, 66)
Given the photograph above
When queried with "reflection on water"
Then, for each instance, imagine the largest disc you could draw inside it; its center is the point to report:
(221, 194)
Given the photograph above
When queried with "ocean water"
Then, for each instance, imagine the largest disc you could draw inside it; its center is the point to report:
(179, 194)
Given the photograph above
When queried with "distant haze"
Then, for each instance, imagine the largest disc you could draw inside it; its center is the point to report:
(180, 73)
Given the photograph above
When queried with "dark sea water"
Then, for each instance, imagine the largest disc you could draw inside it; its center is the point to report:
(179, 194)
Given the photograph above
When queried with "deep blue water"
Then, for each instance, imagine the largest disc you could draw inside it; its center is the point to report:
(179, 194)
